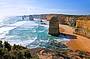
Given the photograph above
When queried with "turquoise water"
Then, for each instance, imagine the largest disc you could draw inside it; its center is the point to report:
(31, 34)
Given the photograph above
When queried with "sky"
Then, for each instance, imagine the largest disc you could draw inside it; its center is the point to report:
(25, 7)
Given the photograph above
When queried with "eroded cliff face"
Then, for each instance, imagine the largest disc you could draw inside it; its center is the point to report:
(64, 19)
(83, 26)
(81, 23)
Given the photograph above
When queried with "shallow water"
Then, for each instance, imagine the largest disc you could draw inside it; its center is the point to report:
(27, 33)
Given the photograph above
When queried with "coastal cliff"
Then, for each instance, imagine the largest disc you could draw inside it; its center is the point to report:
(83, 26)
(81, 23)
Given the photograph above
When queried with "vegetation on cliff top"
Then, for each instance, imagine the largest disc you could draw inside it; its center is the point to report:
(19, 52)
(14, 52)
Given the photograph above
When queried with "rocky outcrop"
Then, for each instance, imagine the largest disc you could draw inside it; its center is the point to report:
(27, 17)
(30, 17)
(54, 26)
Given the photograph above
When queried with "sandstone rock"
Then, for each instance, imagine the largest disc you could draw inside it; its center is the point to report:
(54, 26)
(83, 26)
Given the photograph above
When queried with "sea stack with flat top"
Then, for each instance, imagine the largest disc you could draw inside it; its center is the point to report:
(54, 26)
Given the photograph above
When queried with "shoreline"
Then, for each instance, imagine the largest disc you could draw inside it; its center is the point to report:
(79, 43)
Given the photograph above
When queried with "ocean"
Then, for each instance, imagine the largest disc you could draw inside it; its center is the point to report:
(31, 34)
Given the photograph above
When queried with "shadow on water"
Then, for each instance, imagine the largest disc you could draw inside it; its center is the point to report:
(68, 36)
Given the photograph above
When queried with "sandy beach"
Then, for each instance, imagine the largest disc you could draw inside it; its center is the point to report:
(78, 43)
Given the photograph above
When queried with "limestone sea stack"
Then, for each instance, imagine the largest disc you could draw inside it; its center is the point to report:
(54, 26)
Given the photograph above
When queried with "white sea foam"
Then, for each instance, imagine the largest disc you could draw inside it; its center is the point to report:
(11, 39)
(29, 24)
(28, 39)
(18, 24)
(20, 42)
